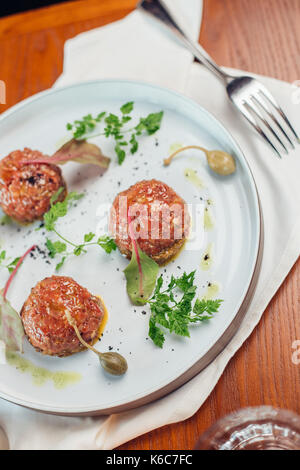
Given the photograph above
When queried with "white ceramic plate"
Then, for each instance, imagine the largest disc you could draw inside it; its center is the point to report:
(39, 123)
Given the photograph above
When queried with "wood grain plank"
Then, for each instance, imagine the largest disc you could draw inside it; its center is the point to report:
(64, 14)
(268, 35)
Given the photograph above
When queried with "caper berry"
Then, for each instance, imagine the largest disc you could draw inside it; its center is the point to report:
(113, 363)
(220, 162)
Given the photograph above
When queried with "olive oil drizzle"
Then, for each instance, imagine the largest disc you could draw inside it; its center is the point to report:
(212, 290)
(192, 176)
(206, 260)
(40, 375)
(208, 219)
(104, 319)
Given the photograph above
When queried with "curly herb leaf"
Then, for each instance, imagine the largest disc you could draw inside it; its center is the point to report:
(55, 196)
(114, 128)
(155, 333)
(55, 247)
(208, 306)
(120, 154)
(177, 315)
(78, 250)
(85, 125)
(59, 209)
(11, 266)
(107, 243)
(88, 237)
(150, 124)
(61, 263)
(134, 144)
(127, 108)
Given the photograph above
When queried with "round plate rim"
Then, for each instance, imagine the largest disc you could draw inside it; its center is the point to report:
(231, 330)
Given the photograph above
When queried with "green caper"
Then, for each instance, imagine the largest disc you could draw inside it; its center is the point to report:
(220, 162)
(113, 363)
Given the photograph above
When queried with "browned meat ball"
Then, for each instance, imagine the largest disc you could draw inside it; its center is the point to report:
(160, 218)
(26, 189)
(44, 320)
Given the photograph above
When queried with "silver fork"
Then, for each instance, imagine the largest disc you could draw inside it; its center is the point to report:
(248, 95)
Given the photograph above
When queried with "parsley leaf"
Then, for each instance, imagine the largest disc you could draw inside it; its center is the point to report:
(156, 334)
(83, 129)
(89, 237)
(60, 264)
(59, 209)
(127, 108)
(205, 306)
(120, 154)
(173, 308)
(11, 266)
(78, 250)
(151, 123)
(56, 196)
(85, 125)
(108, 244)
(134, 144)
(55, 247)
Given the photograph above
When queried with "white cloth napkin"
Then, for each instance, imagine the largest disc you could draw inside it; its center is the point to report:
(132, 48)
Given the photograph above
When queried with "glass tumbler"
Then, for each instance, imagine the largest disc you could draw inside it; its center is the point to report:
(261, 428)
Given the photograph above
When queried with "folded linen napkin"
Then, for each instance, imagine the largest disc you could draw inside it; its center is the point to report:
(156, 58)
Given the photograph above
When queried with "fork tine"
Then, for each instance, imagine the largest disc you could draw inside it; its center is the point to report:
(258, 114)
(273, 117)
(251, 120)
(267, 95)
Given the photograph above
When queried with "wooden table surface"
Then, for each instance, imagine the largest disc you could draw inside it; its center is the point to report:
(31, 58)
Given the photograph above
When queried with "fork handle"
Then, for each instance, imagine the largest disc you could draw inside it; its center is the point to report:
(159, 10)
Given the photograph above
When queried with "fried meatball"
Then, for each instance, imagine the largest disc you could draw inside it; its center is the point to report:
(26, 189)
(159, 216)
(45, 323)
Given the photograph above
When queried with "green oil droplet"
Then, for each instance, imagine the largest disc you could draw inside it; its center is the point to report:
(212, 290)
(193, 177)
(208, 219)
(174, 147)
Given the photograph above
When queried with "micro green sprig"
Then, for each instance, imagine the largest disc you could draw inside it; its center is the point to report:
(5, 263)
(173, 309)
(59, 247)
(114, 127)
